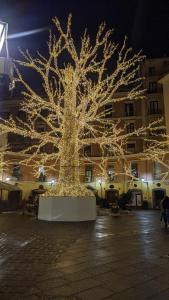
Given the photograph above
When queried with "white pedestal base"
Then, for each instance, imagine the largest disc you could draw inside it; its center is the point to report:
(68, 209)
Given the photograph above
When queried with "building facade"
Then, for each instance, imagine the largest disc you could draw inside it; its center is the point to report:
(131, 114)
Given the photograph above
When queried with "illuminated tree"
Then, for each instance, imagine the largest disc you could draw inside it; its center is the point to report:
(76, 93)
(3, 162)
(157, 150)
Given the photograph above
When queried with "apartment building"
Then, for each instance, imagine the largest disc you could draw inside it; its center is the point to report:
(132, 114)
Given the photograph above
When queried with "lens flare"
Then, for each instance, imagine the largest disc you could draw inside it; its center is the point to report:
(26, 33)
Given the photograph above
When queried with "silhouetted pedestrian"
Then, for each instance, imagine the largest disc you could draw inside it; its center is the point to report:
(164, 205)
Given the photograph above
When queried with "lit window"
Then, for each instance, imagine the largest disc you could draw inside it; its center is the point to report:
(110, 172)
(88, 173)
(134, 169)
(41, 172)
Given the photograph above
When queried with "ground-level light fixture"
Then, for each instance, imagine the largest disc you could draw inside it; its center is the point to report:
(52, 182)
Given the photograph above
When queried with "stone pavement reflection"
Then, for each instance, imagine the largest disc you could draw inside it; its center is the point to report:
(113, 258)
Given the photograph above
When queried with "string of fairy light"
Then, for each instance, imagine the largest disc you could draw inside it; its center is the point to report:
(75, 96)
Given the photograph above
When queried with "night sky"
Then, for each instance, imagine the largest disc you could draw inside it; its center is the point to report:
(145, 22)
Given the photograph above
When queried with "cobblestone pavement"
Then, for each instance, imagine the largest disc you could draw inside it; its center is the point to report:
(117, 258)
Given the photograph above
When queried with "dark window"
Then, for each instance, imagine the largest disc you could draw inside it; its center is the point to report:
(87, 133)
(166, 65)
(4, 114)
(154, 107)
(108, 111)
(129, 109)
(17, 147)
(42, 177)
(43, 149)
(107, 128)
(55, 149)
(4, 86)
(88, 107)
(87, 150)
(151, 71)
(16, 172)
(157, 171)
(131, 147)
(134, 169)
(44, 112)
(41, 128)
(130, 127)
(48, 148)
(88, 173)
(21, 114)
(152, 87)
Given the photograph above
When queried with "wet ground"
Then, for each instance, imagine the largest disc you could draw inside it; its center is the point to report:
(117, 258)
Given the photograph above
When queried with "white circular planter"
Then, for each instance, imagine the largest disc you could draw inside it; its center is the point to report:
(68, 209)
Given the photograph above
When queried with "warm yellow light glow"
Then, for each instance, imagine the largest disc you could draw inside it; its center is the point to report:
(75, 97)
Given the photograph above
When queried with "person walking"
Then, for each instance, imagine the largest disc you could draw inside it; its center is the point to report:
(165, 211)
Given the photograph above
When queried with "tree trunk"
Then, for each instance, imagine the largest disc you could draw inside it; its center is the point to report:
(69, 152)
(69, 173)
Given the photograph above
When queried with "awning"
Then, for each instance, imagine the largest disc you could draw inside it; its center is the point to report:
(8, 187)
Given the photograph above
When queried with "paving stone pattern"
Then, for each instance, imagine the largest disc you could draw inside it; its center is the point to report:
(118, 258)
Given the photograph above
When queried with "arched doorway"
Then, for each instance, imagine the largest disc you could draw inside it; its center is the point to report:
(136, 197)
(157, 195)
